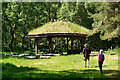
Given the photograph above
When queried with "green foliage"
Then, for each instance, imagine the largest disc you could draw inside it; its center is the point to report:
(116, 50)
(107, 20)
(76, 13)
(95, 43)
(19, 18)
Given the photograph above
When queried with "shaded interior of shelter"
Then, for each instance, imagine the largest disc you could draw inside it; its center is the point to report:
(59, 29)
(70, 37)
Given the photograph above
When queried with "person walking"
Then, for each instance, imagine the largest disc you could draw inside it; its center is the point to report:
(101, 59)
(86, 52)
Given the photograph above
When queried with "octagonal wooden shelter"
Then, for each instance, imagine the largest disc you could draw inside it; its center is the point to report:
(58, 29)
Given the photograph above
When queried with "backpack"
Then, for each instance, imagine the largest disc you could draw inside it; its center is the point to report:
(102, 57)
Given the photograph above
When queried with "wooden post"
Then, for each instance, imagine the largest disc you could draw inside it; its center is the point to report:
(67, 45)
(50, 44)
(83, 42)
(72, 45)
(36, 45)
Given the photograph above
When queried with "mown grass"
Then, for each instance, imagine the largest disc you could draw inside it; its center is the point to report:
(60, 67)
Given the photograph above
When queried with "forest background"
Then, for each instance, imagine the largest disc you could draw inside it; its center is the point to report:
(18, 18)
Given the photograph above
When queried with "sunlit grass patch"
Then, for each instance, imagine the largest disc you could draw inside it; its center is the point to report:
(65, 66)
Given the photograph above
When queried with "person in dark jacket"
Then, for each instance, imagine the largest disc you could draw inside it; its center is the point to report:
(86, 52)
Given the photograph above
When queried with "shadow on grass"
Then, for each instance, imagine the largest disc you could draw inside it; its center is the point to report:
(10, 71)
(98, 66)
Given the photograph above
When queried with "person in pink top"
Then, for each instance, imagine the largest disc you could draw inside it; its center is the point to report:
(101, 59)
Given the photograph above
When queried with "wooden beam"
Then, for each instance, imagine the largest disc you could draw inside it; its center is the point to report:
(50, 43)
(67, 45)
(79, 38)
(72, 45)
(45, 35)
(36, 45)
(83, 40)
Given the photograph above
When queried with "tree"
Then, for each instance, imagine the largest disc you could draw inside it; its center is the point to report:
(76, 13)
(19, 18)
(107, 20)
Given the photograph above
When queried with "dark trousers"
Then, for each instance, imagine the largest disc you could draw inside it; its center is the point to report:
(100, 65)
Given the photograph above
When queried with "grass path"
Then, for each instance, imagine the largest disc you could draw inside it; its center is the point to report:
(65, 66)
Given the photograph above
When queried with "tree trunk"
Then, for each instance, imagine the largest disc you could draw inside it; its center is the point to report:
(23, 42)
(31, 44)
(12, 35)
(49, 12)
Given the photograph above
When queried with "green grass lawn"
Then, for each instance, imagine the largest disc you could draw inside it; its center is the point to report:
(65, 66)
